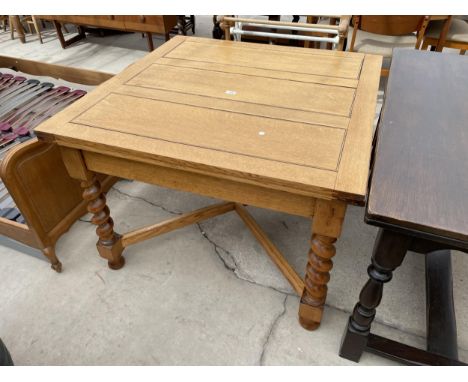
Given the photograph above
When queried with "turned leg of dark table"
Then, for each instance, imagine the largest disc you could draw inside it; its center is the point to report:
(192, 20)
(389, 251)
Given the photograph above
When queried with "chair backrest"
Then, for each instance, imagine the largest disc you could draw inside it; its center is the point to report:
(391, 25)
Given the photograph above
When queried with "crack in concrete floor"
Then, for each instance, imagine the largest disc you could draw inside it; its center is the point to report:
(271, 332)
(233, 268)
(231, 265)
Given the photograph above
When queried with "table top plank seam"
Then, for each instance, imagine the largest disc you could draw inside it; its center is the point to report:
(346, 131)
(283, 71)
(281, 49)
(258, 76)
(320, 78)
(201, 147)
(230, 111)
(151, 63)
(361, 120)
(355, 77)
(317, 191)
(98, 94)
(267, 69)
(355, 91)
(246, 102)
(314, 114)
(341, 154)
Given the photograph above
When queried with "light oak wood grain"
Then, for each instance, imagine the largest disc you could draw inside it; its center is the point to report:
(352, 175)
(221, 188)
(213, 130)
(265, 111)
(286, 134)
(296, 95)
(233, 126)
(181, 221)
(258, 72)
(251, 56)
(272, 251)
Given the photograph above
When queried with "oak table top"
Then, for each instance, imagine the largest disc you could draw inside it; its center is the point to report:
(244, 111)
(289, 129)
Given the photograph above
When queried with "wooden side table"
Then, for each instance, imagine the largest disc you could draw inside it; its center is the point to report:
(283, 128)
(418, 197)
(158, 24)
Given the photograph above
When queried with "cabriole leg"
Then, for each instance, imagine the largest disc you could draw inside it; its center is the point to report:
(56, 265)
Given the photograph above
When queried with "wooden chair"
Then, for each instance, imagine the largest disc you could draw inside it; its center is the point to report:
(341, 21)
(381, 34)
(4, 22)
(456, 36)
(16, 23)
(33, 22)
(279, 32)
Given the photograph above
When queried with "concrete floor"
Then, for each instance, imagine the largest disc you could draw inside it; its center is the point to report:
(203, 295)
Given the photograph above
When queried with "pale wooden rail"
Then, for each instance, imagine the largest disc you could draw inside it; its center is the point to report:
(157, 229)
(294, 279)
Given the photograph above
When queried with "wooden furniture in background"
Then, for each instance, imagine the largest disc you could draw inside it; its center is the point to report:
(4, 21)
(149, 25)
(281, 32)
(381, 34)
(341, 21)
(218, 32)
(15, 24)
(275, 127)
(438, 37)
(417, 197)
(33, 23)
(36, 178)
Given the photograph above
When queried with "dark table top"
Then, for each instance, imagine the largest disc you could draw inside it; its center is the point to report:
(420, 174)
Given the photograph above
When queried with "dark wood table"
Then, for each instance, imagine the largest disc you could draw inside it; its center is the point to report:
(418, 197)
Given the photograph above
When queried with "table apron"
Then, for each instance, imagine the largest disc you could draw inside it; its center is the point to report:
(220, 188)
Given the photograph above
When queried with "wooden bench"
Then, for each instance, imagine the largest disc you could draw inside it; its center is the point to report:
(418, 198)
